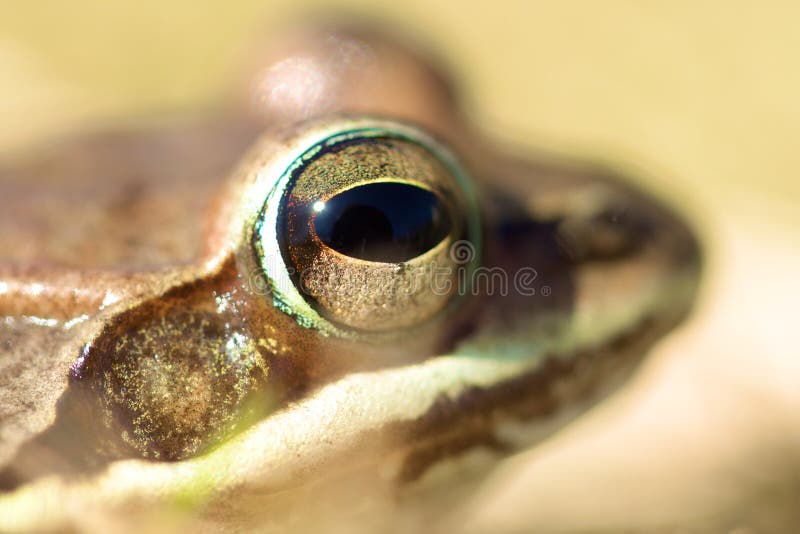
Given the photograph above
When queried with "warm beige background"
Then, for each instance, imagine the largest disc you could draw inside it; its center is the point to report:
(699, 99)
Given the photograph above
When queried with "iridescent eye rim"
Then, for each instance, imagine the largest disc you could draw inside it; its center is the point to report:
(266, 237)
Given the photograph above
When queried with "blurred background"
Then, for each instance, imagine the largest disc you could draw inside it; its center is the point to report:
(697, 100)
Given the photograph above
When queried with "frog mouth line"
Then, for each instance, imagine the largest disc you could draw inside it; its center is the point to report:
(477, 409)
(587, 375)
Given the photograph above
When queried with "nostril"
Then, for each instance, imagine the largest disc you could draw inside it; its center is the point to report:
(611, 232)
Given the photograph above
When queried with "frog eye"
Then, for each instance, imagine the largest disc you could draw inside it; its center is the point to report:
(367, 230)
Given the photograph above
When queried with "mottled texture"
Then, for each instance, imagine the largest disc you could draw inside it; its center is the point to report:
(126, 200)
(33, 360)
(178, 380)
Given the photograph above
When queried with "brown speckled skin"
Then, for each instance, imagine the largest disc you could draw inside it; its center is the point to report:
(108, 200)
(127, 232)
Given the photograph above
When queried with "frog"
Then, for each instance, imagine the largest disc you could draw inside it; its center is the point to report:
(334, 287)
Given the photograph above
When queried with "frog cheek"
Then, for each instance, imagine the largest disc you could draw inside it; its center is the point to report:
(168, 379)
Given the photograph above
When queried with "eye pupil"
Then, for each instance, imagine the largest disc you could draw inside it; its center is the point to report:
(383, 221)
(358, 230)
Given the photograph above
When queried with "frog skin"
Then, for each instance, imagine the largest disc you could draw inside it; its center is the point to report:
(151, 362)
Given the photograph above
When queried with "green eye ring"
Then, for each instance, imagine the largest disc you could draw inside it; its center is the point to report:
(335, 311)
